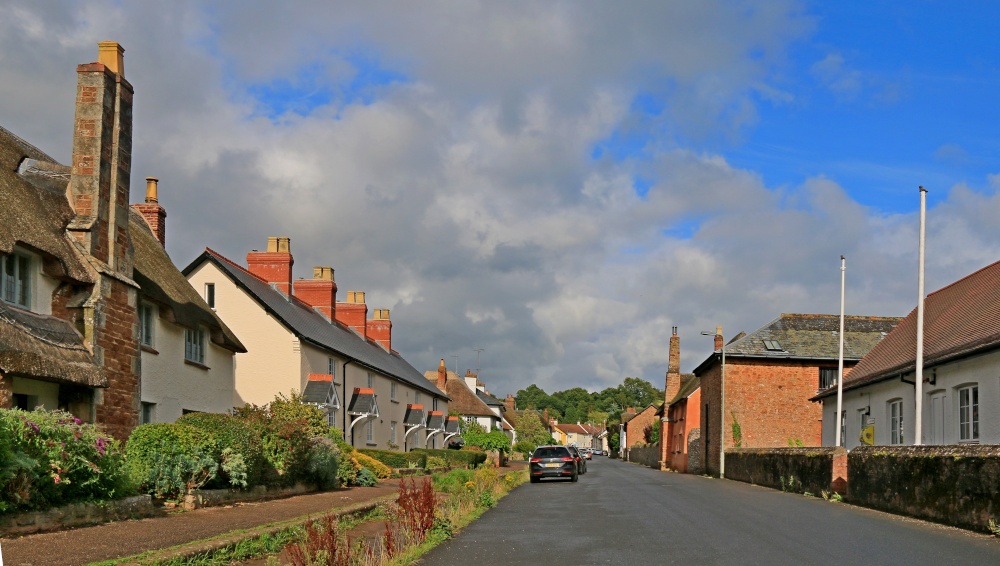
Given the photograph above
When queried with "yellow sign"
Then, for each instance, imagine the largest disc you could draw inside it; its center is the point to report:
(868, 435)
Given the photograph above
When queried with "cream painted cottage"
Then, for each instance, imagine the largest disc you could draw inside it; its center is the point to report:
(300, 339)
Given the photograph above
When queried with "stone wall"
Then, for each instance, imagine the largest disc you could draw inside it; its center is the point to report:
(797, 470)
(76, 515)
(954, 484)
(694, 463)
(645, 455)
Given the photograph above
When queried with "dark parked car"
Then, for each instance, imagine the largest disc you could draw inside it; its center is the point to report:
(581, 462)
(552, 462)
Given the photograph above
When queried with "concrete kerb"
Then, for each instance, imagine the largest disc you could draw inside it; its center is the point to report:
(192, 549)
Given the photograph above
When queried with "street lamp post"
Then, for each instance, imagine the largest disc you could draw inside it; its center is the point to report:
(722, 400)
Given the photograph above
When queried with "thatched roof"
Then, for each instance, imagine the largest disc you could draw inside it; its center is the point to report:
(45, 347)
(161, 282)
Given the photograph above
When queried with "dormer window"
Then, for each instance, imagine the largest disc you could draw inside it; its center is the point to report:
(15, 279)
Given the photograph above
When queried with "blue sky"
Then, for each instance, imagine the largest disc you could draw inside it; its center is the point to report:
(560, 183)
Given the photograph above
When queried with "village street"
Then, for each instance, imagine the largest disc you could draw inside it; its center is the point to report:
(623, 513)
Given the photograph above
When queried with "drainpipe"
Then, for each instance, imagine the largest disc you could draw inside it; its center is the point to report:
(346, 401)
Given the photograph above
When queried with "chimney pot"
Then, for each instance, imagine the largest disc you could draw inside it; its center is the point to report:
(151, 195)
(112, 55)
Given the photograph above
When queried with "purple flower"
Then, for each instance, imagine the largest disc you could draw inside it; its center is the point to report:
(101, 444)
(33, 426)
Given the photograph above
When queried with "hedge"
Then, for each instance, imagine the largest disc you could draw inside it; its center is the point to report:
(397, 460)
(233, 433)
(463, 458)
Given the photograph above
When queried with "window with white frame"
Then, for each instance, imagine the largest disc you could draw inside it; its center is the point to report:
(210, 294)
(369, 431)
(416, 397)
(392, 432)
(331, 368)
(896, 422)
(146, 313)
(968, 413)
(371, 380)
(392, 391)
(194, 345)
(15, 279)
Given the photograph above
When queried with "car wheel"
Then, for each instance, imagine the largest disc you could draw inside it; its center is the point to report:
(574, 478)
(535, 480)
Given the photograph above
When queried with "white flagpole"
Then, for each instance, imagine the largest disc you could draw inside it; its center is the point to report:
(918, 412)
(840, 355)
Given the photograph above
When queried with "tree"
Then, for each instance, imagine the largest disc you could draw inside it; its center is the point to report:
(530, 428)
(651, 434)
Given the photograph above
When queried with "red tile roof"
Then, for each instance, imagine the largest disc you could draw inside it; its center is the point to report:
(960, 319)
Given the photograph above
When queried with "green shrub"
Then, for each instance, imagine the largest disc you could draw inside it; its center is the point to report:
(150, 440)
(435, 462)
(236, 434)
(397, 460)
(524, 447)
(367, 478)
(324, 463)
(49, 458)
(286, 427)
(347, 470)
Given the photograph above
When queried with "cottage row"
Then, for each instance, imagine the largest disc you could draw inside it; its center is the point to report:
(96, 319)
(780, 382)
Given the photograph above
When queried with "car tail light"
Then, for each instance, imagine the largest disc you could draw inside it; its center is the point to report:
(569, 459)
(535, 460)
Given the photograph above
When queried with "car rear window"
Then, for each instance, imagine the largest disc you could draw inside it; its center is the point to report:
(551, 452)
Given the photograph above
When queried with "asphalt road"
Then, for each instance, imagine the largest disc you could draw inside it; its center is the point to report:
(621, 512)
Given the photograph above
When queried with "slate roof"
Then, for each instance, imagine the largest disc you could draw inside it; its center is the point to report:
(319, 388)
(961, 319)
(310, 326)
(489, 399)
(463, 400)
(435, 420)
(573, 429)
(161, 282)
(451, 425)
(414, 415)
(363, 402)
(810, 336)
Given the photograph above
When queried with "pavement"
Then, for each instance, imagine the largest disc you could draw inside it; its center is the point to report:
(186, 533)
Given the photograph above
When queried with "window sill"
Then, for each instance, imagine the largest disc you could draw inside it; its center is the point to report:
(370, 444)
(149, 349)
(968, 442)
(197, 364)
(394, 401)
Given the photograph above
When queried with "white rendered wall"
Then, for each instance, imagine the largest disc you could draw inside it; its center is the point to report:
(272, 361)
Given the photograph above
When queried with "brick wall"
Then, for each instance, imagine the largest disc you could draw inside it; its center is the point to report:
(769, 400)
(116, 345)
(636, 426)
(954, 484)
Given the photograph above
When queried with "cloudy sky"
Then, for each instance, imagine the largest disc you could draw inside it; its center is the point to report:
(557, 183)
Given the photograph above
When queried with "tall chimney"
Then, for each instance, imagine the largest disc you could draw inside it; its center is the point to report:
(151, 210)
(380, 328)
(274, 265)
(718, 338)
(442, 381)
(509, 402)
(102, 158)
(320, 292)
(670, 388)
(354, 312)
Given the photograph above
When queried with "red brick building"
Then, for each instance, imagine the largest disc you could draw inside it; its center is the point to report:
(770, 376)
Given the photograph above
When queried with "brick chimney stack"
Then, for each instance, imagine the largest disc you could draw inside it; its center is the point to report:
(380, 328)
(102, 158)
(442, 379)
(354, 312)
(718, 338)
(274, 265)
(151, 210)
(510, 403)
(320, 292)
(670, 388)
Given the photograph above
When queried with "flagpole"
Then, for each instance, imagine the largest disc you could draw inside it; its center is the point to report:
(918, 411)
(840, 356)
